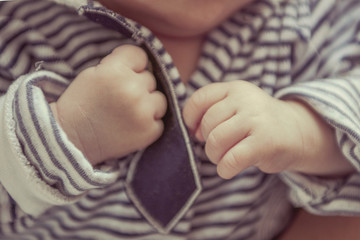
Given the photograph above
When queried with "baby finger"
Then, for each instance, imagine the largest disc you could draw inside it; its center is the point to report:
(224, 136)
(237, 159)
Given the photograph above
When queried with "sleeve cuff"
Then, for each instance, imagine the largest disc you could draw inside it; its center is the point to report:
(324, 196)
(41, 167)
(335, 100)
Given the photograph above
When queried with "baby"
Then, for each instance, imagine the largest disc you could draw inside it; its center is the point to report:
(268, 89)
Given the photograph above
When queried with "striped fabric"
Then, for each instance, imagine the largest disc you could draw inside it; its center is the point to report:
(300, 48)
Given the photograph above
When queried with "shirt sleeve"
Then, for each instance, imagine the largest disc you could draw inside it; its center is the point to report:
(39, 166)
(326, 76)
(337, 101)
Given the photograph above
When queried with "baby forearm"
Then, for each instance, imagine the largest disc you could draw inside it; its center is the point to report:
(321, 153)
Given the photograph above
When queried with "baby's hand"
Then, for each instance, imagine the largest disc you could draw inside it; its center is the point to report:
(243, 126)
(112, 109)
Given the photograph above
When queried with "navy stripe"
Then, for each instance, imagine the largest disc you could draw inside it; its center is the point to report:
(350, 91)
(322, 21)
(18, 7)
(219, 224)
(32, 148)
(263, 63)
(237, 224)
(7, 42)
(341, 47)
(12, 210)
(347, 130)
(53, 159)
(348, 198)
(45, 225)
(5, 76)
(207, 75)
(62, 14)
(92, 29)
(240, 190)
(70, 22)
(335, 95)
(4, 22)
(353, 154)
(233, 207)
(216, 61)
(21, 51)
(85, 213)
(45, 6)
(59, 183)
(86, 44)
(71, 158)
(247, 176)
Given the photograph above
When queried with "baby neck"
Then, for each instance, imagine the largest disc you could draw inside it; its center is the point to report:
(185, 52)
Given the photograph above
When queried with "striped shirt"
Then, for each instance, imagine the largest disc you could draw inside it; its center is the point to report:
(306, 49)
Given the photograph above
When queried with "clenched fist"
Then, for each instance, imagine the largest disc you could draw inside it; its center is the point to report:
(112, 109)
(243, 126)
